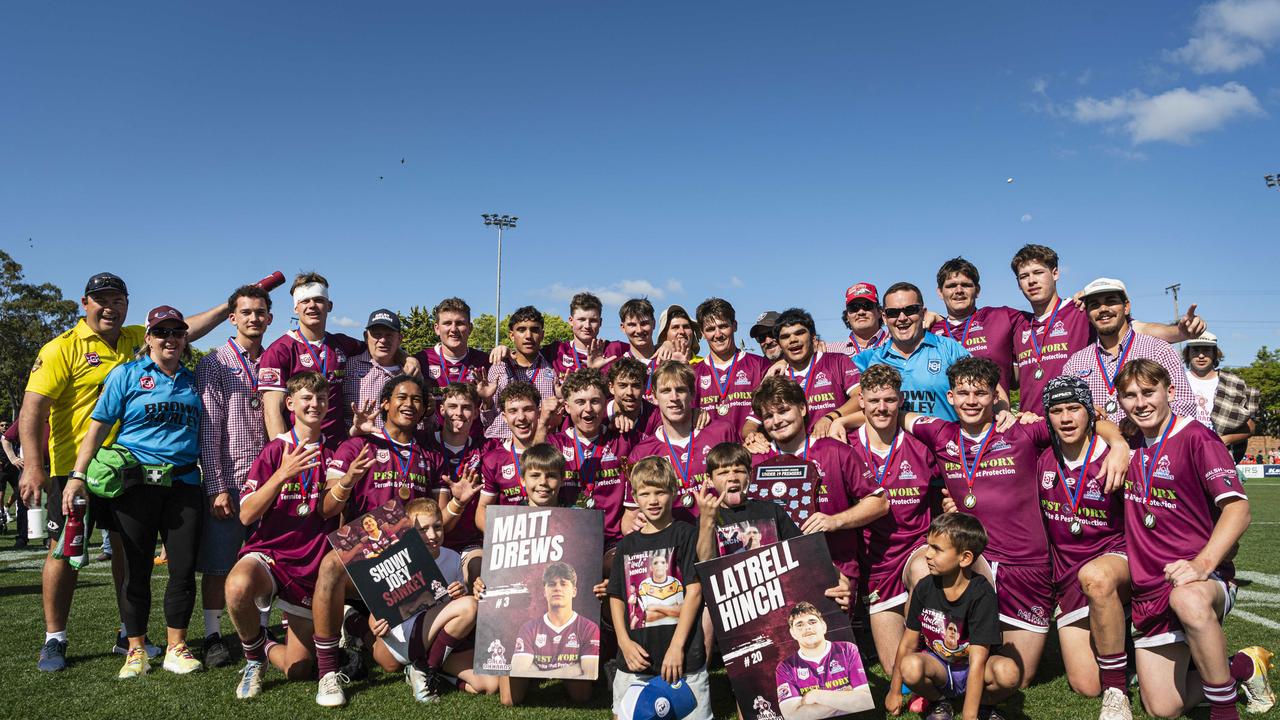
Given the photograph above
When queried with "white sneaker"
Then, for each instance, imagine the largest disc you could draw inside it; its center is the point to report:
(1257, 689)
(250, 685)
(425, 685)
(330, 693)
(1115, 705)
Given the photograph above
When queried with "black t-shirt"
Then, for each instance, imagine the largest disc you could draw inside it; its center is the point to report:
(751, 525)
(650, 574)
(947, 629)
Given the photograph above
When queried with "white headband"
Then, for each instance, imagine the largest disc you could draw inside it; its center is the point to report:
(308, 291)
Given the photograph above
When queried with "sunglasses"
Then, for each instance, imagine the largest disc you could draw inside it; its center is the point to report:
(860, 306)
(909, 311)
(1202, 350)
(162, 333)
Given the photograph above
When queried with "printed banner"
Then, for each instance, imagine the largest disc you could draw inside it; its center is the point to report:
(389, 563)
(539, 617)
(788, 648)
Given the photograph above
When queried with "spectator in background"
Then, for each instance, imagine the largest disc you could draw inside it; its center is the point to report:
(762, 333)
(10, 469)
(1224, 402)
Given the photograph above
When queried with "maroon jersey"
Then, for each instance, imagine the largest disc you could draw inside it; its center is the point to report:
(1069, 332)
(688, 459)
(844, 478)
(553, 647)
(904, 473)
(296, 543)
(730, 387)
(1192, 474)
(648, 423)
(399, 472)
(593, 469)
(442, 371)
(987, 333)
(501, 471)
(291, 354)
(1101, 516)
(1006, 500)
(838, 667)
(565, 358)
(464, 533)
(827, 382)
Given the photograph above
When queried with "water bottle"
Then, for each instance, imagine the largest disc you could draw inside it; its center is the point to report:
(37, 522)
(73, 530)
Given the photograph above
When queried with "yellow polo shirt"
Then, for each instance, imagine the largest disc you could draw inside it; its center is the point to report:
(71, 369)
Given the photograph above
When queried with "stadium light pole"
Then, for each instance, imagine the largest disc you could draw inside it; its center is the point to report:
(501, 222)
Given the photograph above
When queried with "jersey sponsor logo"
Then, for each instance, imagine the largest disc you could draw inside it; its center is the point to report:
(572, 641)
(935, 366)
(146, 382)
(566, 361)
(1059, 329)
(1026, 335)
(784, 692)
(705, 382)
(89, 357)
(383, 455)
(508, 471)
(820, 380)
(904, 471)
(269, 376)
(306, 360)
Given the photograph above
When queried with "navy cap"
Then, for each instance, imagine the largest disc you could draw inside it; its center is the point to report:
(383, 318)
(658, 700)
(105, 281)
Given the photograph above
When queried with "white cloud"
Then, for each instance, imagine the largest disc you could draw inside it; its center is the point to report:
(674, 286)
(1026, 218)
(1040, 86)
(1230, 34)
(1175, 116)
(616, 293)
(735, 281)
(345, 322)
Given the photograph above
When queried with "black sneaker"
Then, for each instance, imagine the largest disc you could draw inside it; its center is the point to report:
(353, 665)
(216, 653)
(989, 712)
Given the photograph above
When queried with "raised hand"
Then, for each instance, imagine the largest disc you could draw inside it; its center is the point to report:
(1191, 325)
(298, 459)
(364, 419)
(465, 487)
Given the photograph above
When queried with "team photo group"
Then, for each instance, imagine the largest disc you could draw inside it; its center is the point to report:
(935, 493)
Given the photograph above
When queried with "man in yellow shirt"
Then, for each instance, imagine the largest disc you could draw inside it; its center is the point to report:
(62, 390)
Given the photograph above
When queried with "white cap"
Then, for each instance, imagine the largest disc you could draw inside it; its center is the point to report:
(1102, 285)
(1206, 338)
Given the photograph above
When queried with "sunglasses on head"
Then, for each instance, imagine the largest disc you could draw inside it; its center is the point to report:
(909, 311)
(163, 332)
(861, 306)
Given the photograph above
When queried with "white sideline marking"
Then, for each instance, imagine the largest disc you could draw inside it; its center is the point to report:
(1256, 619)
(1260, 578)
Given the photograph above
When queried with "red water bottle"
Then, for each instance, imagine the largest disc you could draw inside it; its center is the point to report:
(272, 281)
(73, 533)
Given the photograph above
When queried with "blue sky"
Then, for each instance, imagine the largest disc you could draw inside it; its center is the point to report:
(770, 153)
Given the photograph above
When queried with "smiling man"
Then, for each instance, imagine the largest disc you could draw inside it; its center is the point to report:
(984, 331)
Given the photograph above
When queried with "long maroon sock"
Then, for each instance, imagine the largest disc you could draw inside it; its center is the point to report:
(443, 642)
(1241, 667)
(1222, 701)
(1113, 670)
(327, 656)
(256, 649)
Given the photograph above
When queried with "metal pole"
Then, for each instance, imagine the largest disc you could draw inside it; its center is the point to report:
(497, 312)
(1174, 290)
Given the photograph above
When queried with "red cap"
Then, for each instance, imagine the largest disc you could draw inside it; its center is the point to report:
(163, 313)
(861, 291)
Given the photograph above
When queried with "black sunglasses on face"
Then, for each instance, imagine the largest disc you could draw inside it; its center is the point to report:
(861, 306)
(910, 310)
(163, 333)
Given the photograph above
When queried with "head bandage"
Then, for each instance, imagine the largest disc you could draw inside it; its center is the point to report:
(308, 291)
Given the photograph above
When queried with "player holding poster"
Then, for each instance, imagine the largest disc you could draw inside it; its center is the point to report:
(789, 650)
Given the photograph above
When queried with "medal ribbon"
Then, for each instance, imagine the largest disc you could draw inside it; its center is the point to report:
(1048, 327)
(446, 369)
(1125, 347)
(582, 457)
(408, 463)
(728, 375)
(808, 373)
(515, 458)
(970, 471)
(682, 470)
(804, 457)
(964, 336)
(1073, 499)
(881, 472)
(305, 478)
(311, 350)
(244, 363)
(1149, 469)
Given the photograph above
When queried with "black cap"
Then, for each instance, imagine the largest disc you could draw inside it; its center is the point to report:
(103, 282)
(764, 325)
(383, 318)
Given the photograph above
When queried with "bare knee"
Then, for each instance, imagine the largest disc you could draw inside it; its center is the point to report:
(912, 669)
(300, 670)
(1095, 582)
(1190, 606)
(1162, 705)
(1003, 673)
(1083, 684)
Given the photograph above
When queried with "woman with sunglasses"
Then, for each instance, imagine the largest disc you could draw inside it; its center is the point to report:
(155, 401)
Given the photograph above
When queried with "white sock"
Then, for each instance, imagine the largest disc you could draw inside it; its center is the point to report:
(60, 636)
(212, 622)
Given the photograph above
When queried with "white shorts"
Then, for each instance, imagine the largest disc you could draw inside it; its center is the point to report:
(265, 602)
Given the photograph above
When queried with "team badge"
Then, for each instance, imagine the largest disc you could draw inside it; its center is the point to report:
(146, 382)
(37, 364)
(572, 641)
(435, 372)
(508, 472)
(835, 667)
(951, 448)
(519, 645)
(568, 453)
(935, 366)
(741, 379)
(306, 360)
(661, 707)
(1046, 481)
(1092, 491)
(1084, 372)
(93, 359)
(779, 489)
(341, 356)
(784, 692)
(803, 673)
(383, 455)
(904, 471)
(540, 639)
(1162, 469)
(999, 445)
(1058, 329)
(820, 380)
(1026, 335)
(704, 382)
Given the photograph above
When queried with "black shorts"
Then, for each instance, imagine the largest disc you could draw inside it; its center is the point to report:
(99, 516)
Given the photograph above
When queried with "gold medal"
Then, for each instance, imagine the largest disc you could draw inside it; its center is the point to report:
(1111, 406)
(1039, 373)
(970, 500)
(405, 492)
(590, 503)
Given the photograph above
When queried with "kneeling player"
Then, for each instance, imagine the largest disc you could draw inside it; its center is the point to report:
(429, 643)
(284, 499)
(823, 677)
(1184, 513)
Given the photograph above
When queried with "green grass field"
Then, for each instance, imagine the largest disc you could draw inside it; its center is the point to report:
(89, 688)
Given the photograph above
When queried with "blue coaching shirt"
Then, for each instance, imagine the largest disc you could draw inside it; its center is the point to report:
(159, 415)
(924, 374)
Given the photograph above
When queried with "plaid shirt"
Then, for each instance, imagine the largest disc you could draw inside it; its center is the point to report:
(363, 382)
(1234, 404)
(852, 346)
(1084, 364)
(232, 432)
(543, 376)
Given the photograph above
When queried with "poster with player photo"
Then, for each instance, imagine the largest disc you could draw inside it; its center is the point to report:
(389, 563)
(655, 589)
(539, 617)
(788, 649)
(736, 537)
(788, 481)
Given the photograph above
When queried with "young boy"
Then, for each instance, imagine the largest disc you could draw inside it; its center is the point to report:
(728, 521)
(585, 349)
(593, 453)
(524, 363)
(456, 443)
(541, 483)
(500, 467)
(828, 379)
(292, 510)
(986, 332)
(646, 647)
(1184, 513)
(727, 376)
(985, 470)
(629, 410)
(395, 467)
(894, 543)
(427, 644)
(953, 611)
(635, 319)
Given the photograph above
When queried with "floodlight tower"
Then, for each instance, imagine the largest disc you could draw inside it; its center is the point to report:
(501, 222)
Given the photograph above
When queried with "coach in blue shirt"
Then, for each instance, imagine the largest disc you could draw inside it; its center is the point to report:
(155, 401)
(922, 358)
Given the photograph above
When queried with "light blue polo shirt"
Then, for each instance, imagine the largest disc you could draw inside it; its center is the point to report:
(924, 374)
(159, 415)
